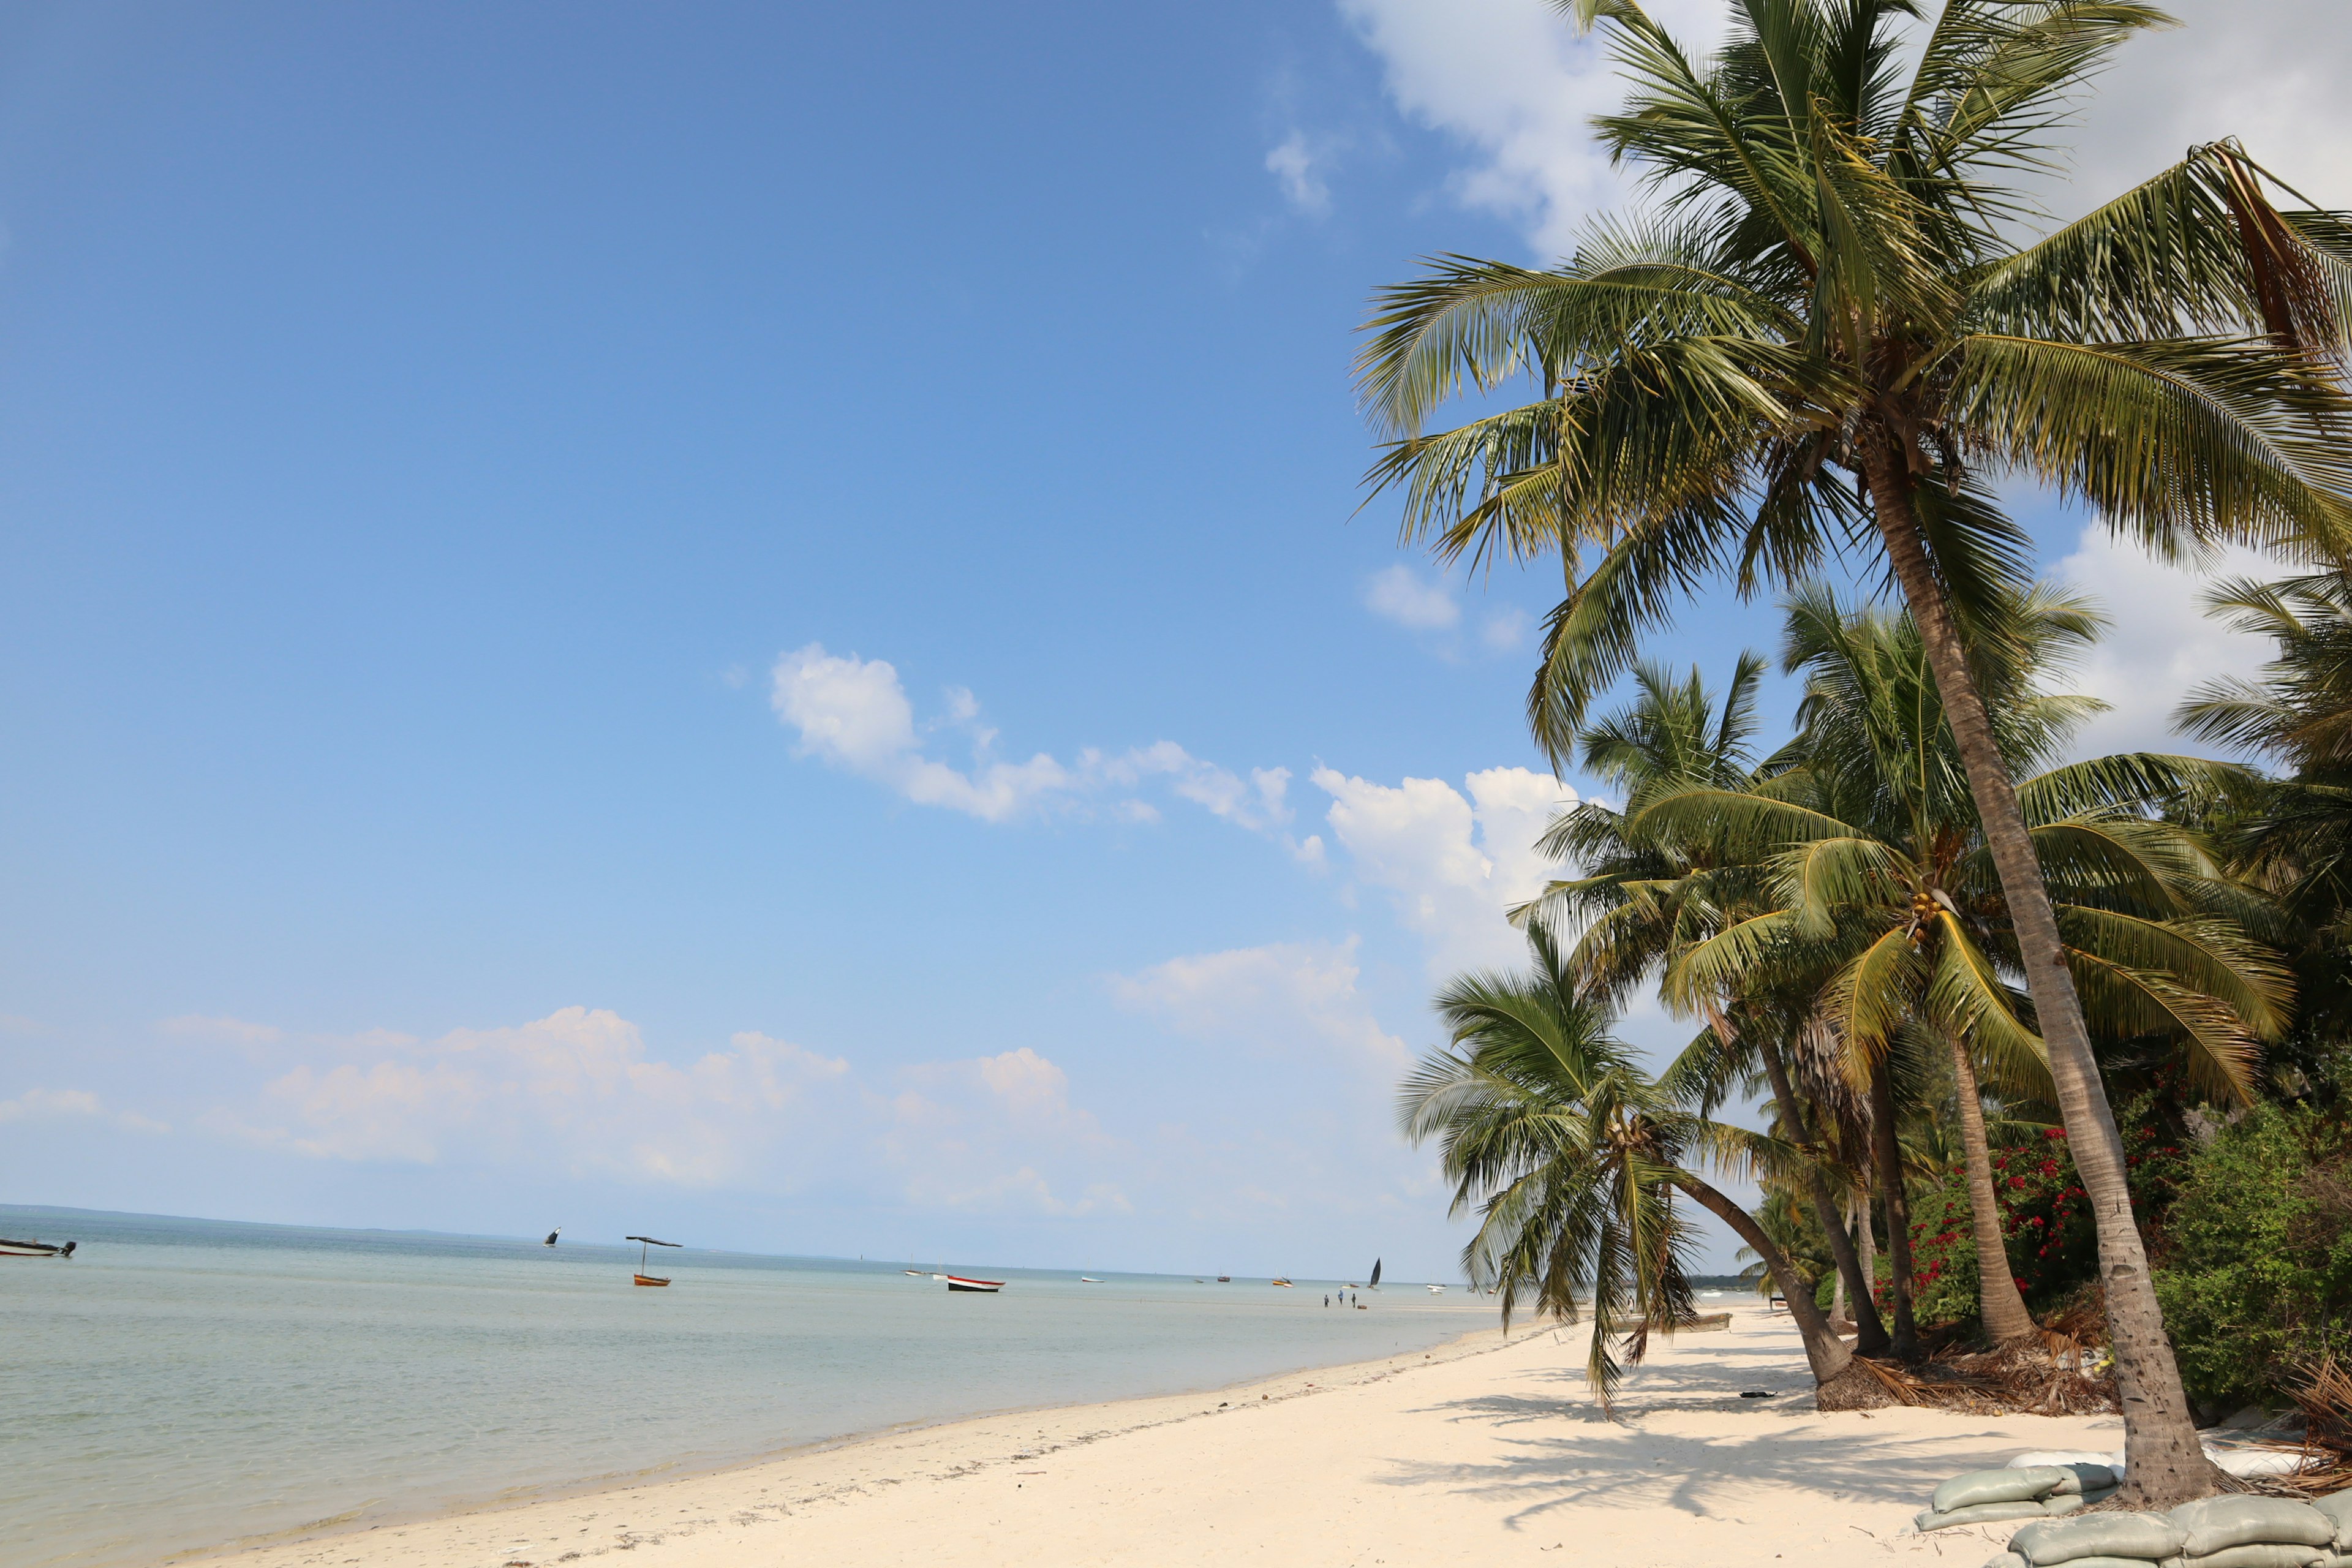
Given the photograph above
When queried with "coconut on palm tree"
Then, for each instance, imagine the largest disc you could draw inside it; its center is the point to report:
(1830, 327)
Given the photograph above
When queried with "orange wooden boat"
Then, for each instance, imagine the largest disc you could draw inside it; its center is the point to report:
(644, 1278)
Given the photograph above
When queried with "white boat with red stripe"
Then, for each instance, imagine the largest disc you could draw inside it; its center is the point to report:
(985, 1286)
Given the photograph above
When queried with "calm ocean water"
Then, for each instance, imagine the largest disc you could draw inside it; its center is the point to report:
(186, 1385)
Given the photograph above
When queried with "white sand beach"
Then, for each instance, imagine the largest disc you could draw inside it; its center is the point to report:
(1486, 1451)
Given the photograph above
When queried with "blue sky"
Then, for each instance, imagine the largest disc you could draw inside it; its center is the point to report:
(751, 620)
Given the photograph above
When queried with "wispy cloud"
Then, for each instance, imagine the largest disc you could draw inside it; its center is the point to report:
(49, 1104)
(1403, 595)
(854, 714)
(1297, 164)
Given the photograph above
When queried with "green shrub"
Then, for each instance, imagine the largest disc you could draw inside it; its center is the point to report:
(2255, 1268)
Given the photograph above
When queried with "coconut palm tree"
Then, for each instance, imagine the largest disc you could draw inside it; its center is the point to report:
(1644, 897)
(1883, 889)
(1824, 331)
(1574, 1160)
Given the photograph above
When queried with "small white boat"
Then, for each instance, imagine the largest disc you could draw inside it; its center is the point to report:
(1089, 1280)
(36, 1249)
(912, 1273)
(985, 1286)
(1437, 1289)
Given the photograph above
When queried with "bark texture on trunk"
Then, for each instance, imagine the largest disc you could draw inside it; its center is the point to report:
(1864, 1242)
(2165, 1465)
(1999, 1304)
(1833, 1363)
(1837, 1294)
(1887, 1155)
(1870, 1332)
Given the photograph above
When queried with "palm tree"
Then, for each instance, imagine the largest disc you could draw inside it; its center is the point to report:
(1884, 890)
(1573, 1160)
(1644, 896)
(1824, 333)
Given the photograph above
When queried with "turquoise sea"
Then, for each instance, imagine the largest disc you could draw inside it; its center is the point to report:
(185, 1386)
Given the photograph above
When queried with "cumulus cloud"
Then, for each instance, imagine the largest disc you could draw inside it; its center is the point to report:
(968, 1135)
(2161, 643)
(1452, 862)
(853, 713)
(1401, 594)
(1273, 998)
(576, 1087)
(1511, 81)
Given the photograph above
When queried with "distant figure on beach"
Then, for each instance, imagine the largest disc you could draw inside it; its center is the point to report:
(1326, 1297)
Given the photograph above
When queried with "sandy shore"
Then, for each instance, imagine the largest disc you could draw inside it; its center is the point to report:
(1481, 1453)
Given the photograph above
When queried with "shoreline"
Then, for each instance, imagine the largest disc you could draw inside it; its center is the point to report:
(1481, 1448)
(676, 1472)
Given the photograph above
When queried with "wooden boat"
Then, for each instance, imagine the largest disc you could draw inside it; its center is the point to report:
(912, 1273)
(1285, 1284)
(1225, 1279)
(36, 1249)
(985, 1286)
(644, 1278)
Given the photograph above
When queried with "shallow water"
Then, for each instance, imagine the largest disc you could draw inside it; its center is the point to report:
(185, 1385)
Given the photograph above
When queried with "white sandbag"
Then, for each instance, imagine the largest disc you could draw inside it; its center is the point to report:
(2087, 1478)
(2004, 1486)
(2337, 1507)
(2217, 1524)
(2007, 1560)
(1928, 1519)
(2118, 1563)
(2148, 1536)
(2057, 1456)
(2262, 1554)
(2256, 1461)
(2069, 1502)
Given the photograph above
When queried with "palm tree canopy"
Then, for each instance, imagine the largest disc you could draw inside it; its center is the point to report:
(1824, 282)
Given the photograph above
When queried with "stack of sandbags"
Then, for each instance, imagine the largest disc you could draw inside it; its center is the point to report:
(2217, 1533)
(2338, 1510)
(1990, 1497)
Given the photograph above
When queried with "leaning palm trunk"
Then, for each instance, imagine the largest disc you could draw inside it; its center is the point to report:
(1998, 1305)
(2168, 1463)
(1843, 1383)
(1870, 1332)
(1888, 1158)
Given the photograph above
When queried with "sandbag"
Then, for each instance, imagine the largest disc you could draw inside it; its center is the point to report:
(2007, 1560)
(2119, 1563)
(2061, 1456)
(2262, 1554)
(2004, 1486)
(2217, 1524)
(2085, 1478)
(1928, 1519)
(2148, 1536)
(2337, 1507)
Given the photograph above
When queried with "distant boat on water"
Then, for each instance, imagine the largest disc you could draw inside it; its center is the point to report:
(36, 1249)
(981, 1287)
(1285, 1284)
(644, 1278)
(912, 1273)
(1376, 1274)
(552, 1236)
(1225, 1279)
(1437, 1289)
(1089, 1280)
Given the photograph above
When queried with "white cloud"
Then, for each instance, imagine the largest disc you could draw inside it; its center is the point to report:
(1513, 80)
(1453, 864)
(853, 713)
(2271, 74)
(43, 1104)
(1295, 165)
(1398, 594)
(575, 1088)
(222, 1031)
(2160, 645)
(1272, 998)
(971, 1135)
(1506, 631)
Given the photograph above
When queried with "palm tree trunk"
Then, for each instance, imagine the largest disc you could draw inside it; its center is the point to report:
(1998, 1305)
(1837, 1293)
(1870, 1334)
(1889, 1157)
(2165, 1467)
(1842, 1382)
(1865, 1243)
